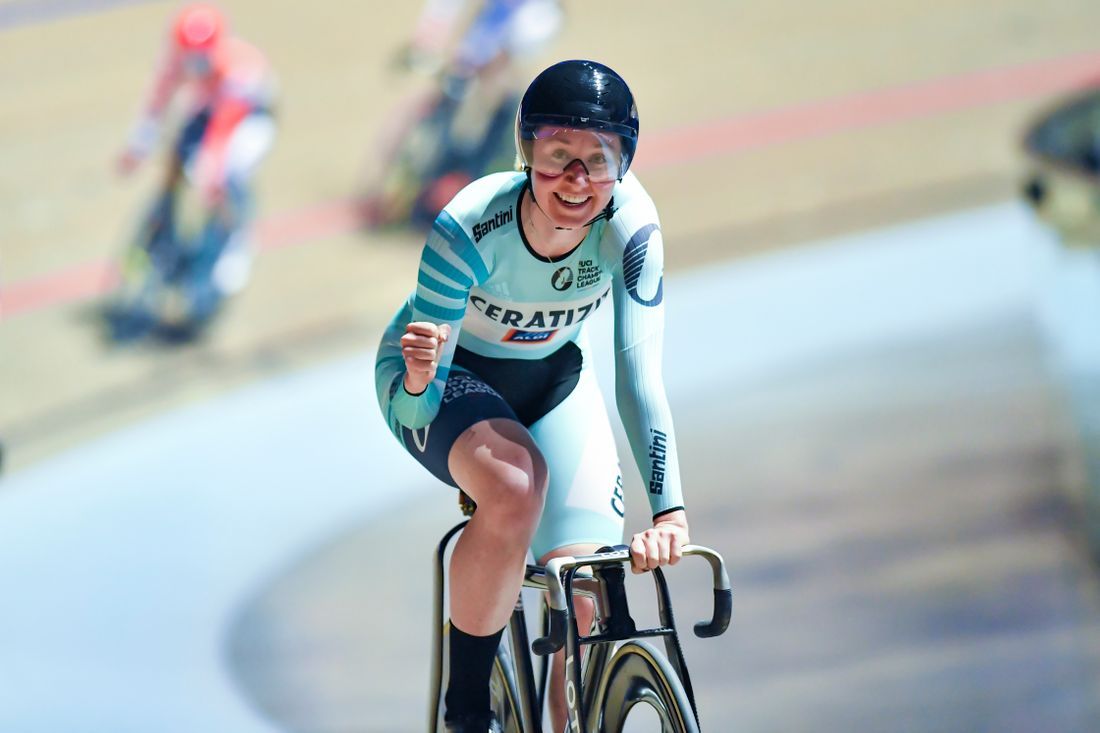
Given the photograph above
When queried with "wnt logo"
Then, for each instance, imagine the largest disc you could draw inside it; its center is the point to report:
(634, 263)
(562, 278)
(420, 437)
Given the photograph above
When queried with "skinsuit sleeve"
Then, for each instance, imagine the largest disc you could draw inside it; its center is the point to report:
(450, 265)
(636, 253)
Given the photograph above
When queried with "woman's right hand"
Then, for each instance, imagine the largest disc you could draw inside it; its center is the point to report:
(421, 346)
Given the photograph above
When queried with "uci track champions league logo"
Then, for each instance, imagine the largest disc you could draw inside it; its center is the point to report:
(634, 264)
(562, 278)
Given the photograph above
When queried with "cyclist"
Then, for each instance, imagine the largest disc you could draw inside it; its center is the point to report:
(485, 373)
(471, 104)
(500, 32)
(228, 130)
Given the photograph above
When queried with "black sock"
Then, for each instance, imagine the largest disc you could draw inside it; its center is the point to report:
(471, 665)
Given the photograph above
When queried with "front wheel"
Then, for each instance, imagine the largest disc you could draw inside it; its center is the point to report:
(504, 693)
(635, 674)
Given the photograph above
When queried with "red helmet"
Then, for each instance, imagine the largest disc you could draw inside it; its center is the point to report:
(198, 28)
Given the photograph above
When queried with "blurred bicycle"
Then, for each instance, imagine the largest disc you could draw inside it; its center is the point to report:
(459, 128)
(1063, 184)
(1063, 187)
(191, 249)
(183, 261)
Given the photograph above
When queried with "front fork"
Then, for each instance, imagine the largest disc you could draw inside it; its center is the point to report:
(615, 624)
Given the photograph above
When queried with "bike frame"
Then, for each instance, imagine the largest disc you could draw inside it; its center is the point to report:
(562, 579)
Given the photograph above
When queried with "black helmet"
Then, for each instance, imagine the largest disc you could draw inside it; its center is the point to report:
(583, 95)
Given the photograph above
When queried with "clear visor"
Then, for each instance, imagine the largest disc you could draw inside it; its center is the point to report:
(557, 149)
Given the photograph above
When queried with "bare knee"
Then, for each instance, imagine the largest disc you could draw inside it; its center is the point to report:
(498, 464)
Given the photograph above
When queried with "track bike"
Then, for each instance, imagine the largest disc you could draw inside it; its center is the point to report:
(177, 269)
(620, 670)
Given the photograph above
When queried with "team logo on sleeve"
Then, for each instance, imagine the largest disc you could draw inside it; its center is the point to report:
(562, 278)
(634, 265)
(658, 453)
(499, 219)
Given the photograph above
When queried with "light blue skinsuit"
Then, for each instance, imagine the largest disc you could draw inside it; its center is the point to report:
(503, 301)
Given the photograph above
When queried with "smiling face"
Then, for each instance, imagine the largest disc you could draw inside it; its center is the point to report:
(573, 173)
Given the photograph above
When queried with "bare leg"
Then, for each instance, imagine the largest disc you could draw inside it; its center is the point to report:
(498, 465)
(585, 609)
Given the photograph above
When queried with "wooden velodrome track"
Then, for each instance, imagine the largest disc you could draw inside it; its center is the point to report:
(65, 116)
(903, 549)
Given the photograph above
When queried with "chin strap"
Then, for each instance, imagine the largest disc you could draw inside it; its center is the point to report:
(606, 214)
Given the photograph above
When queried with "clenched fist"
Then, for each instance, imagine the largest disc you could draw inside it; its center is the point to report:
(421, 346)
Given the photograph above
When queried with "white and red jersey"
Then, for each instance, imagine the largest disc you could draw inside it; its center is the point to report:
(239, 81)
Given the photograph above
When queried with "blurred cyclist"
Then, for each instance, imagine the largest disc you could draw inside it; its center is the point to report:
(479, 64)
(502, 31)
(501, 37)
(228, 129)
(485, 374)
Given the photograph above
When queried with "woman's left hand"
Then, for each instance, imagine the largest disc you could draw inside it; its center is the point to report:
(662, 544)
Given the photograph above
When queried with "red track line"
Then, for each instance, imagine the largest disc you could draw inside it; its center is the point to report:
(663, 148)
(315, 222)
(869, 109)
(75, 283)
